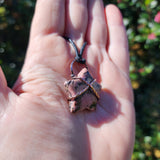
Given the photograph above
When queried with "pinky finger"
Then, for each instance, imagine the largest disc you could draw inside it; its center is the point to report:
(117, 39)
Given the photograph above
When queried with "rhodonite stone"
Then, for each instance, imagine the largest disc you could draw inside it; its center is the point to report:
(82, 92)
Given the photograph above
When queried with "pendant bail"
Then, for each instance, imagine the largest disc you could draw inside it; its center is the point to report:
(78, 58)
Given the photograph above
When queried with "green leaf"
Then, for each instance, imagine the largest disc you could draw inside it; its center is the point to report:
(149, 68)
(140, 38)
(122, 5)
(2, 11)
(133, 76)
(156, 29)
(147, 2)
(147, 139)
(158, 136)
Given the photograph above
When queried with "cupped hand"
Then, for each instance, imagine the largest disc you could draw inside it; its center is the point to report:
(35, 122)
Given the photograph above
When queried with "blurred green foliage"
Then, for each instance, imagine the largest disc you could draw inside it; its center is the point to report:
(143, 32)
(15, 19)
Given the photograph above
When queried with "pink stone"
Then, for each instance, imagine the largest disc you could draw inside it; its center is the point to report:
(82, 92)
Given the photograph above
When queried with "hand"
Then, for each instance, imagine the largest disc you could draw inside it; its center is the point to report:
(35, 123)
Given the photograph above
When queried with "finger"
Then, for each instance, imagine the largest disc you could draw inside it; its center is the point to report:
(97, 30)
(3, 90)
(117, 43)
(3, 82)
(76, 20)
(49, 17)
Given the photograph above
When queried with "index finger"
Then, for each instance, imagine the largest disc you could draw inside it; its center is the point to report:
(49, 17)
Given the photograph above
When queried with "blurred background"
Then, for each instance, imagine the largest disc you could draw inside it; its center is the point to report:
(142, 21)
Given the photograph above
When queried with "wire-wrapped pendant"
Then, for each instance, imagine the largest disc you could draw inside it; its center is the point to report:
(82, 90)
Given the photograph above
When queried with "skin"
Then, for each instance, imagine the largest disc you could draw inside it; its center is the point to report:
(35, 123)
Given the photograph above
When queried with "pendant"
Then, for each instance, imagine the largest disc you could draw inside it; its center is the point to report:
(82, 89)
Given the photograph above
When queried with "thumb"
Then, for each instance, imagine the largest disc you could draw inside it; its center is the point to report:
(3, 82)
(4, 91)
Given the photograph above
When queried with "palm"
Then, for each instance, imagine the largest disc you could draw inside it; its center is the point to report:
(39, 112)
